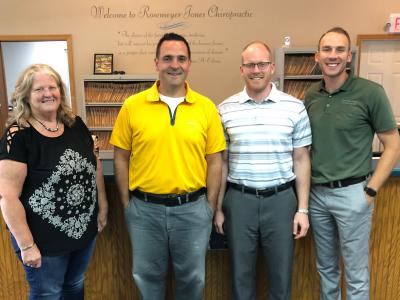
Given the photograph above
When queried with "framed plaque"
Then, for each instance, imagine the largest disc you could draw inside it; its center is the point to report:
(103, 64)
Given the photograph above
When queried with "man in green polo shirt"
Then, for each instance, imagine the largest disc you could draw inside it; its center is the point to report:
(345, 112)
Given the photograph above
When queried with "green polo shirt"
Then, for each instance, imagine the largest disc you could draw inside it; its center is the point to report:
(343, 124)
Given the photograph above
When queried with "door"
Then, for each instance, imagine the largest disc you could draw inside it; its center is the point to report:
(28, 41)
(379, 61)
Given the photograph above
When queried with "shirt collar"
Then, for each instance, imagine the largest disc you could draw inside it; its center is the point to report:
(154, 95)
(274, 95)
(345, 87)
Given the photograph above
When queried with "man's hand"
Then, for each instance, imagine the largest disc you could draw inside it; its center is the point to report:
(369, 199)
(219, 219)
(300, 225)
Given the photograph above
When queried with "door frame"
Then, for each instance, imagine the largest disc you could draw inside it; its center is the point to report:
(3, 96)
(373, 37)
(34, 38)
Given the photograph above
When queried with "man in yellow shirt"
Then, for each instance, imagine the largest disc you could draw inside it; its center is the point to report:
(167, 163)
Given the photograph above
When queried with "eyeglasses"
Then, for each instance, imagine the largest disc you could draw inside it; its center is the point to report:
(262, 65)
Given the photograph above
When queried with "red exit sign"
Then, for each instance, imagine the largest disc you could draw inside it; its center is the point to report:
(394, 23)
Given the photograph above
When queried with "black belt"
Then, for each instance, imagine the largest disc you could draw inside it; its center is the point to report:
(262, 192)
(168, 199)
(344, 182)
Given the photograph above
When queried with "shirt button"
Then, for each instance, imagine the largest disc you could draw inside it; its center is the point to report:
(328, 105)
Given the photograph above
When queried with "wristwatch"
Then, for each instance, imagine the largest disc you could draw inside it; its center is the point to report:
(303, 211)
(370, 191)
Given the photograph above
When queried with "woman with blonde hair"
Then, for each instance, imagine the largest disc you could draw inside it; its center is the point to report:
(51, 186)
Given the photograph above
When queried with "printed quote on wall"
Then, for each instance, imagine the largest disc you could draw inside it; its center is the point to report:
(206, 48)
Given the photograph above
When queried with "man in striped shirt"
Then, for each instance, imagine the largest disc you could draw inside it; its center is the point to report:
(268, 134)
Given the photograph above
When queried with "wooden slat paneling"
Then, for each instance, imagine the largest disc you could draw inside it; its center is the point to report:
(12, 276)
(109, 275)
(385, 243)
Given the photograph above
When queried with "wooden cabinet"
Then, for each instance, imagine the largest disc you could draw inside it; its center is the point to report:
(103, 98)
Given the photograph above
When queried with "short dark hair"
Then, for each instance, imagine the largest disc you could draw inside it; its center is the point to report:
(339, 30)
(171, 36)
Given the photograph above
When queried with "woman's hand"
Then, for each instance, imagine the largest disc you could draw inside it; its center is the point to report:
(32, 257)
(102, 218)
(102, 197)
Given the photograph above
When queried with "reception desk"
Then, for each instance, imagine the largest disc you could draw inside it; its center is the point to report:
(109, 275)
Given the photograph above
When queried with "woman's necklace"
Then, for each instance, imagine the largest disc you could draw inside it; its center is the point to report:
(47, 128)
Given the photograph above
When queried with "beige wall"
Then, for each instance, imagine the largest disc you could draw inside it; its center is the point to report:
(217, 75)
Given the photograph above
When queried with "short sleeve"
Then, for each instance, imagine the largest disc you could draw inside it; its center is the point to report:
(215, 135)
(82, 126)
(381, 111)
(13, 145)
(302, 130)
(121, 135)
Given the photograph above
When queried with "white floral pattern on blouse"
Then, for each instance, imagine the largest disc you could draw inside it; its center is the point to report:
(67, 200)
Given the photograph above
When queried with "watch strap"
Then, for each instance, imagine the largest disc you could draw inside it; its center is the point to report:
(370, 191)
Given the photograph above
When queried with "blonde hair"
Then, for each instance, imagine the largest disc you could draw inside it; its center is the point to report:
(22, 110)
(259, 43)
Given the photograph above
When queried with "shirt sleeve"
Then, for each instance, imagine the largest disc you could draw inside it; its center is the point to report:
(86, 132)
(13, 146)
(122, 131)
(381, 113)
(302, 130)
(215, 135)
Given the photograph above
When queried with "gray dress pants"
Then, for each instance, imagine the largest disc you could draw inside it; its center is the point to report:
(159, 233)
(341, 223)
(253, 221)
